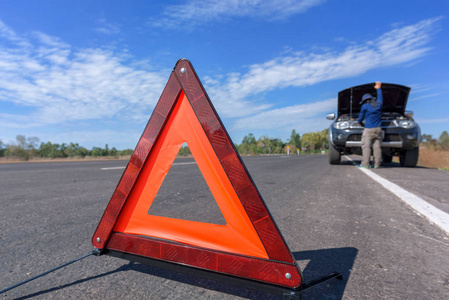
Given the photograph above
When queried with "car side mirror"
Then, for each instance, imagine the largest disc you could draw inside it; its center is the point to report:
(409, 114)
(330, 116)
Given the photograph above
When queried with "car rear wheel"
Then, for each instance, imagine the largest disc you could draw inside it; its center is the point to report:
(409, 158)
(387, 158)
(334, 155)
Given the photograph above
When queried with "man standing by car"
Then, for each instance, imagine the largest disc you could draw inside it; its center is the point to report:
(372, 134)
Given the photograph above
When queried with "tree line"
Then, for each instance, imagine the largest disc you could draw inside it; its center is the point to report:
(309, 142)
(26, 148)
(442, 143)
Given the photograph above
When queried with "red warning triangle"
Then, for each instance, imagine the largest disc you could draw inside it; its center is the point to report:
(249, 245)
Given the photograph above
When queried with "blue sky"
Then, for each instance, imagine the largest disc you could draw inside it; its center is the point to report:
(91, 72)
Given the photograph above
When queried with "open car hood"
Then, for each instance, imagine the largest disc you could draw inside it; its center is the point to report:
(395, 98)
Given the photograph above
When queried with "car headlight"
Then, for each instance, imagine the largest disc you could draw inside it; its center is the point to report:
(341, 125)
(406, 124)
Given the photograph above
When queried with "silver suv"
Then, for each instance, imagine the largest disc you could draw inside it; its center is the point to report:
(401, 134)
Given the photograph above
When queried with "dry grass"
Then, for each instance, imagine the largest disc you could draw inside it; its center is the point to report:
(433, 158)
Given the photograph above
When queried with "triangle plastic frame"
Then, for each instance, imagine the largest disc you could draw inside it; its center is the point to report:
(279, 269)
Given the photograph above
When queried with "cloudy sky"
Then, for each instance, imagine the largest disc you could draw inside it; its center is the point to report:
(91, 72)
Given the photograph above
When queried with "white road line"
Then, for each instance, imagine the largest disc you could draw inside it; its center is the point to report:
(113, 168)
(175, 164)
(435, 215)
(184, 163)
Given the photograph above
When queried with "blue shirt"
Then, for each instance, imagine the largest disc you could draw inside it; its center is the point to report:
(372, 114)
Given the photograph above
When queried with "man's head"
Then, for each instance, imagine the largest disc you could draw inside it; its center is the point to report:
(367, 97)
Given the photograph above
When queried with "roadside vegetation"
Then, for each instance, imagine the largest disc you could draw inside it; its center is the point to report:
(313, 142)
(434, 153)
(25, 149)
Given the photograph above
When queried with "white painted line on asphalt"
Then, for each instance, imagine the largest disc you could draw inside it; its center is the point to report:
(184, 163)
(113, 168)
(174, 164)
(435, 215)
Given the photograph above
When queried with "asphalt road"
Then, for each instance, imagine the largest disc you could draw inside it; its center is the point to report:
(334, 218)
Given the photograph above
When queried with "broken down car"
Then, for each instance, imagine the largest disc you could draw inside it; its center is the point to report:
(400, 133)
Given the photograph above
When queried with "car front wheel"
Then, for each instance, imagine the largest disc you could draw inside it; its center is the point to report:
(409, 158)
(334, 155)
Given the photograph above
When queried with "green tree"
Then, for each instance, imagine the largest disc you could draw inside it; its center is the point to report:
(126, 152)
(310, 140)
(278, 145)
(50, 150)
(316, 140)
(113, 152)
(443, 140)
(46, 149)
(64, 150)
(248, 145)
(82, 152)
(32, 146)
(428, 140)
(184, 150)
(2, 149)
(249, 139)
(295, 140)
(325, 139)
(21, 141)
(96, 152)
(265, 144)
(21, 149)
(71, 150)
(32, 142)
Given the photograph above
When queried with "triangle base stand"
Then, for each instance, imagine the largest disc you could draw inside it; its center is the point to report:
(288, 294)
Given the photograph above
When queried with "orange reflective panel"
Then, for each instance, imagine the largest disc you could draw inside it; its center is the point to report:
(237, 236)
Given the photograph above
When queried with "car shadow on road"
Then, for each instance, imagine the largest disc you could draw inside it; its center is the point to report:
(323, 262)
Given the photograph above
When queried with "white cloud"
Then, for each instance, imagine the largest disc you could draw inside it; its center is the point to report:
(295, 116)
(107, 28)
(9, 34)
(204, 11)
(434, 95)
(420, 91)
(63, 84)
(398, 46)
(432, 121)
(51, 42)
(15, 121)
